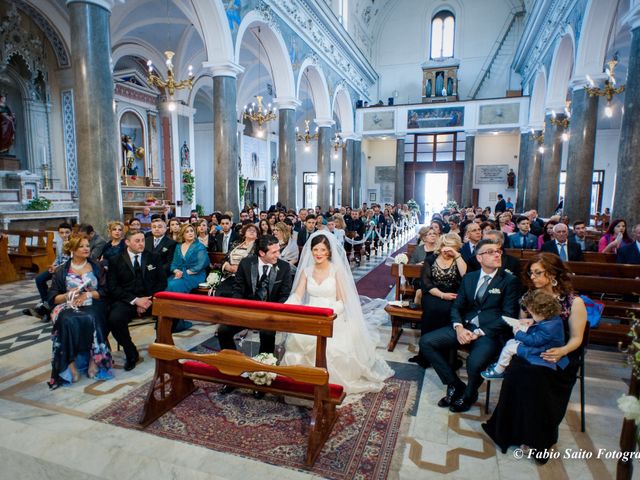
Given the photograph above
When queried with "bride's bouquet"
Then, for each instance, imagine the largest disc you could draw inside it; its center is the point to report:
(264, 378)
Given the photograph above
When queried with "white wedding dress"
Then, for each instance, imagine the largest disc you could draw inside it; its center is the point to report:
(352, 360)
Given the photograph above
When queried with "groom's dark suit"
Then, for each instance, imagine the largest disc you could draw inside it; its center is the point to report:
(276, 289)
(500, 298)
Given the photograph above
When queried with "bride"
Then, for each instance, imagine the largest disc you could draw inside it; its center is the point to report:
(324, 280)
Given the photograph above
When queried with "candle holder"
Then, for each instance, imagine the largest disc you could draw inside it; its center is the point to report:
(45, 174)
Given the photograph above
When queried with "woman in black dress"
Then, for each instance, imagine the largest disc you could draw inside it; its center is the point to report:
(533, 399)
(441, 277)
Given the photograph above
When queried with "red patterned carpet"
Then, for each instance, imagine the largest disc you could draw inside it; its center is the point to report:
(375, 284)
(361, 445)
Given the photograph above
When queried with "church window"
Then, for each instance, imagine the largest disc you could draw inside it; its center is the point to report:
(442, 32)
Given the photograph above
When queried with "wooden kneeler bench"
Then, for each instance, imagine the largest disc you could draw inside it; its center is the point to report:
(176, 368)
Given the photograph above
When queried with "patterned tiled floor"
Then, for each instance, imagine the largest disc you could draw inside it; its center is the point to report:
(48, 434)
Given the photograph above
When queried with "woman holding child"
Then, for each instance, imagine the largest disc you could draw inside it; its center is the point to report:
(534, 398)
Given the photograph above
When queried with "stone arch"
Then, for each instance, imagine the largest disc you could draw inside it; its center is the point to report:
(592, 47)
(343, 106)
(538, 95)
(319, 89)
(276, 51)
(140, 50)
(216, 34)
(561, 72)
(203, 81)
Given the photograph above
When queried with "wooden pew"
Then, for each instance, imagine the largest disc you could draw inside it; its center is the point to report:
(411, 247)
(589, 257)
(216, 259)
(173, 379)
(7, 272)
(28, 256)
(620, 307)
(618, 270)
(400, 314)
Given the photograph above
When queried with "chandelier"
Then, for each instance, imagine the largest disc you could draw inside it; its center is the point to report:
(307, 136)
(171, 84)
(539, 139)
(337, 143)
(609, 89)
(257, 113)
(564, 121)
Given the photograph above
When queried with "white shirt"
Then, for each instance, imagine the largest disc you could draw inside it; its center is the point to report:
(481, 280)
(132, 257)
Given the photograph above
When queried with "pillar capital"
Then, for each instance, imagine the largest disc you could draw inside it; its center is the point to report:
(223, 69)
(579, 82)
(471, 133)
(288, 103)
(632, 18)
(324, 122)
(106, 4)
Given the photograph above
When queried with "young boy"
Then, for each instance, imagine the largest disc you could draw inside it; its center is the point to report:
(530, 341)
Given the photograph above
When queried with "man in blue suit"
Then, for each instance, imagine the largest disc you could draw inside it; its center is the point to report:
(476, 320)
(631, 253)
(523, 238)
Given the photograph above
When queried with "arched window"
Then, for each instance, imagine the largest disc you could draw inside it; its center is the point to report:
(442, 31)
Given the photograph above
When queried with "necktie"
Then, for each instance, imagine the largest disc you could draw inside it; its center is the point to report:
(562, 251)
(261, 290)
(483, 287)
(136, 263)
(156, 241)
(225, 244)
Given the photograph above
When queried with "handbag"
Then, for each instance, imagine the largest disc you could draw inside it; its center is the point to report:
(594, 310)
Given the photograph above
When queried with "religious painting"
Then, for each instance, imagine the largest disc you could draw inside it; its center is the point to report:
(254, 159)
(132, 144)
(491, 174)
(378, 121)
(435, 117)
(501, 114)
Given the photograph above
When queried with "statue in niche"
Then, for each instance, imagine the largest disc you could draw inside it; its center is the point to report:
(185, 157)
(511, 179)
(128, 150)
(449, 86)
(439, 83)
(428, 89)
(7, 125)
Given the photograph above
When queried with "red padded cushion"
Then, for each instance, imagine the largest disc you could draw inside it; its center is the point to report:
(238, 302)
(280, 382)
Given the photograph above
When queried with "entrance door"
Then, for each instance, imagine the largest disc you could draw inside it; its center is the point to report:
(435, 192)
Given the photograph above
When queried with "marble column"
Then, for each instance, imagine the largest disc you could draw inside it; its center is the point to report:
(287, 153)
(399, 189)
(582, 146)
(526, 146)
(347, 173)
(627, 193)
(532, 186)
(225, 138)
(98, 155)
(357, 174)
(325, 132)
(550, 166)
(467, 173)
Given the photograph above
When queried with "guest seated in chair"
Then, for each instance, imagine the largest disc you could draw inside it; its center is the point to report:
(476, 320)
(440, 279)
(579, 235)
(134, 277)
(615, 238)
(115, 246)
(523, 238)
(631, 253)
(533, 398)
(160, 244)
(78, 332)
(566, 250)
(224, 239)
(190, 261)
(248, 236)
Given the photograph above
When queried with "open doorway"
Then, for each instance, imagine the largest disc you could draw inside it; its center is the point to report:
(435, 193)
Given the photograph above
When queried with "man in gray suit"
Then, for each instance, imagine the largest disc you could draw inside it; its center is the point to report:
(579, 235)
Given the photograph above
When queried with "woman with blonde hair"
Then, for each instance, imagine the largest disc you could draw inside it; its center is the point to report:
(288, 246)
(441, 277)
(116, 244)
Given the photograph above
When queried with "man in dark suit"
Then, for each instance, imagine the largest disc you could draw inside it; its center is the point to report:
(476, 320)
(225, 238)
(523, 238)
(560, 246)
(537, 224)
(133, 278)
(309, 228)
(579, 235)
(631, 253)
(501, 205)
(261, 277)
(473, 234)
(160, 244)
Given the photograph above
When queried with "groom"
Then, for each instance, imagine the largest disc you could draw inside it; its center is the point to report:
(262, 277)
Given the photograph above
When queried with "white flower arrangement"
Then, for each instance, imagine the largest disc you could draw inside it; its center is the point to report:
(495, 291)
(630, 406)
(213, 280)
(401, 259)
(264, 378)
